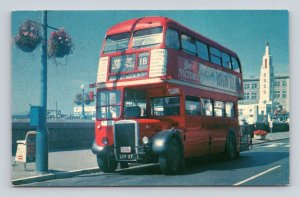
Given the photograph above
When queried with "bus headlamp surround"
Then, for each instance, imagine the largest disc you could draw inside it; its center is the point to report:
(145, 140)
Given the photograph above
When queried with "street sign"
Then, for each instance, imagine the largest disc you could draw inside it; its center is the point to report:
(21, 153)
(26, 148)
(271, 124)
(36, 115)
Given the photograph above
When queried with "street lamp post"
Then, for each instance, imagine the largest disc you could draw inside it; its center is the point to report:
(82, 103)
(42, 133)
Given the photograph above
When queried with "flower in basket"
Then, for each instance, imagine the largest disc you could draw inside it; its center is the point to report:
(260, 132)
(78, 99)
(29, 36)
(59, 44)
(87, 99)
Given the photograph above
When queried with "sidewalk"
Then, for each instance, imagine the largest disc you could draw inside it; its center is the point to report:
(272, 137)
(59, 162)
(75, 162)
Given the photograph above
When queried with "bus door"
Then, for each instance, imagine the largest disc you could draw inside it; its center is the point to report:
(210, 125)
(219, 128)
(196, 137)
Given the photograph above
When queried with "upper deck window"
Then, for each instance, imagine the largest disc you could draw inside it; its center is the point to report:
(235, 65)
(215, 55)
(118, 42)
(147, 37)
(172, 39)
(188, 44)
(226, 60)
(202, 50)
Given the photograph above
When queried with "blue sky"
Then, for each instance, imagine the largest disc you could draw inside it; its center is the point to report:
(245, 32)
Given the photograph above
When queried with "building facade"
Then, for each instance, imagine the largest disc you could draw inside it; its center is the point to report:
(266, 97)
(88, 110)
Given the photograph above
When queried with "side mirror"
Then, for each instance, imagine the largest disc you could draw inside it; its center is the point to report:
(91, 95)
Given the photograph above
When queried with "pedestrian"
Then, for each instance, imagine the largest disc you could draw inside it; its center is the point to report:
(251, 126)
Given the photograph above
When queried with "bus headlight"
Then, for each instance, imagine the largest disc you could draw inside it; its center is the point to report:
(105, 140)
(145, 140)
(159, 142)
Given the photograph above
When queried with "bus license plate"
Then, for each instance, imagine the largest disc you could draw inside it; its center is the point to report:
(125, 149)
(126, 156)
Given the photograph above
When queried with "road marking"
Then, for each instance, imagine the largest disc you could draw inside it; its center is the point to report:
(270, 145)
(287, 146)
(255, 176)
(273, 145)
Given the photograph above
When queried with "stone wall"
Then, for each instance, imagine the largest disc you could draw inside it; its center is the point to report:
(63, 134)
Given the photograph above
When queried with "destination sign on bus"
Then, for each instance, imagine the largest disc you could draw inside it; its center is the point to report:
(122, 63)
(128, 76)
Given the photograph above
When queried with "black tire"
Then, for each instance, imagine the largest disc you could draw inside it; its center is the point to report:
(171, 161)
(231, 147)
(107, 164)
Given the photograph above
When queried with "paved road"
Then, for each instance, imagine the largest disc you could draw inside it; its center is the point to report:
(267, 164)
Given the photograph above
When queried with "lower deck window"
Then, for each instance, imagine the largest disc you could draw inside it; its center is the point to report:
(229, 109)
(219, 108)
(108, 104)
(192, 105)
(207, 109)
(165, 106)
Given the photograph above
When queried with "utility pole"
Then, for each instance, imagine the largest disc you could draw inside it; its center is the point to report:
(82, 103)
(42, 132)
(56, 115)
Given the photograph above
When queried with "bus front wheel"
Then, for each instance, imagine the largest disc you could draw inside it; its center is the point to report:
(171, 161)
(106, 164)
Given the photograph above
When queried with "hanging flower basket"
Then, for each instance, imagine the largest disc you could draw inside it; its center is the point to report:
(87, 99)
(59, 44)
(28, 37)
(78, 99)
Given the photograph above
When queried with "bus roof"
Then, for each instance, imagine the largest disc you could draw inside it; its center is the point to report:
(154, 21)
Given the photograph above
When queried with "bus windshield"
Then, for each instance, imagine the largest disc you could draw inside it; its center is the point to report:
(147, 37)
(118, 42)
(109, 104)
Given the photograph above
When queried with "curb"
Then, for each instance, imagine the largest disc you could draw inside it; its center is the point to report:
(269, 140)
(51, 176)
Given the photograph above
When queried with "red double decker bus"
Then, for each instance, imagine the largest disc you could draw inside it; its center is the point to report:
(164, 93)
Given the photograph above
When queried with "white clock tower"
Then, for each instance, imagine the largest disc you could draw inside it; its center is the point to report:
(266, 83)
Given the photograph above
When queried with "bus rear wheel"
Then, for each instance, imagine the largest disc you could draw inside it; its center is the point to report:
(231, 147)
(106, 164)
(171, 161)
